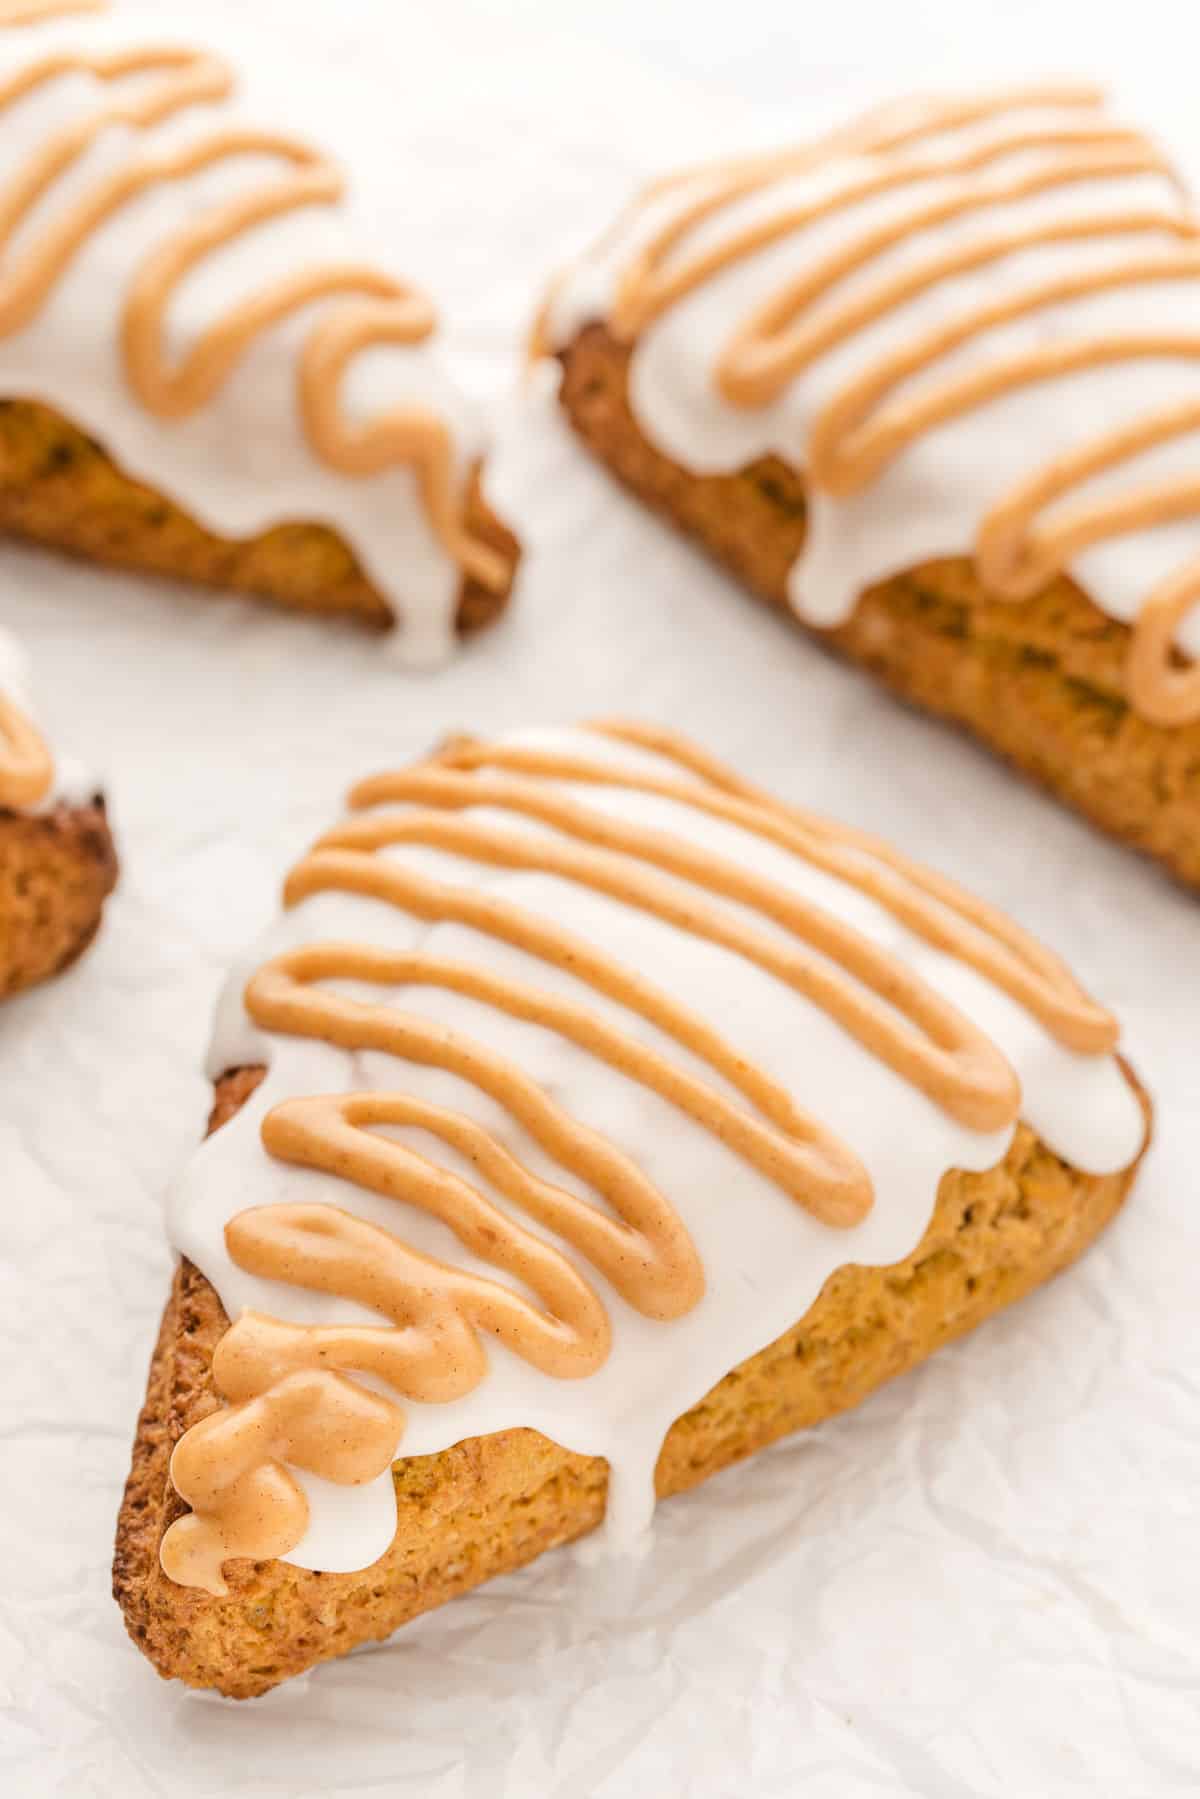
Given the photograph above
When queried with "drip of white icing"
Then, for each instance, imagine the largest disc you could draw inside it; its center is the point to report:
(931, 500)
(74, 785)
(241, 464)
(765, 1258)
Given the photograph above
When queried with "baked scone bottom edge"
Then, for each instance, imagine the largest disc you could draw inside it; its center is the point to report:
(60, 488)
(493, 1504)
(56, 870)
(1041, 681)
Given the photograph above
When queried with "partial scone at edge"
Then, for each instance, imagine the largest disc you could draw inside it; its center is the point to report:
(59, 487)
(1040, 681)
(492, 1504)
(56, 870)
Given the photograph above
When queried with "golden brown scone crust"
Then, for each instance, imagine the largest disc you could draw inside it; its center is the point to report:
(1041, 682)
(56, 870)
(493, 1503)
(60, 488)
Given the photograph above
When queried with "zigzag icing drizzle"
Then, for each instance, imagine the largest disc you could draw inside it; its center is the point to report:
(555, 965)
(1017, 274)
(391, 478)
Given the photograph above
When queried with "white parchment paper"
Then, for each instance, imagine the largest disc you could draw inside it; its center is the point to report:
(985, 1583)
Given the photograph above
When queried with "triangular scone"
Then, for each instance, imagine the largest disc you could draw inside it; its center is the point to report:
(574, 1073)
(206, 370)
(57, 861)
(932, 384)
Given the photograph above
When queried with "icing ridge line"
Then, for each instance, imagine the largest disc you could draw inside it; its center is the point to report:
(286, 1385)
(865, 424)
(979, 933)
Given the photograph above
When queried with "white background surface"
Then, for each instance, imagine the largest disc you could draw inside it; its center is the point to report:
(983, 1583)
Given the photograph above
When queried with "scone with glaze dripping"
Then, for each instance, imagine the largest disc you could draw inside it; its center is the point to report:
(932, 384)
(588, 1120)
(204, 369)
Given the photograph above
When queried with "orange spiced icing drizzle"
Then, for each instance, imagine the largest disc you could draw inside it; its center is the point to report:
(26, 765)
(36, 12)
(366, 307)
(287, 1387)
(1030, 534)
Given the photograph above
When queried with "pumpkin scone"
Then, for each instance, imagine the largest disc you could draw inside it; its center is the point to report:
(588, 1120)
(204, 370)
(57, 861)
(932, 384)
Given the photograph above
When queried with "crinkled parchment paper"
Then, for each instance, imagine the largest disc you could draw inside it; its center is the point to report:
(985, 1584)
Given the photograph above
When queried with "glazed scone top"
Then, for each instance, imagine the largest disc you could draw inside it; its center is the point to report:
(582, 1049)
(191, 288)
(972, 323)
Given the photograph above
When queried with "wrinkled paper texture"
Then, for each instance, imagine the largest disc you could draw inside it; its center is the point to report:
(983, 1583)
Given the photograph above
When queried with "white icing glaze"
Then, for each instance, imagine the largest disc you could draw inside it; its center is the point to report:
(241, 463)
(74, 785)
(931, 500)
(765, 1257)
